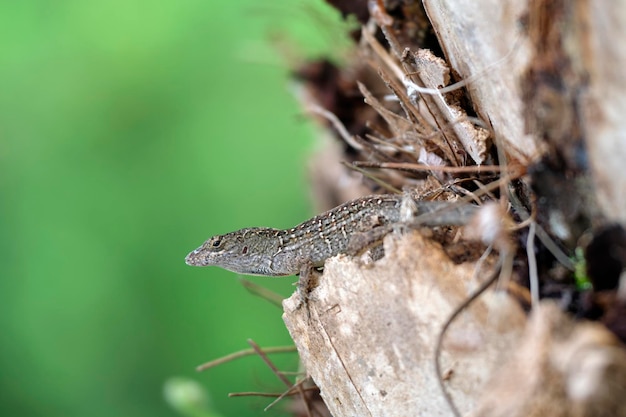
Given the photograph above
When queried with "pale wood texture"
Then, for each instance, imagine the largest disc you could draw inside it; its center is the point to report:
(484, 42)
(370, 337)
(604, 57)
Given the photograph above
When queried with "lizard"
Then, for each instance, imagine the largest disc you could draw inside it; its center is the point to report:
(345, 229)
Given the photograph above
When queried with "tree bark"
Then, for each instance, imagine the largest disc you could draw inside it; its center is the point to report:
(548, 77)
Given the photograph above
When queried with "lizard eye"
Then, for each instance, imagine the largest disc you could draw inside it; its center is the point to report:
(244, 250)
(216, 243)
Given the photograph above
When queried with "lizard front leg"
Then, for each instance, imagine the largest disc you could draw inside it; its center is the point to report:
(308, 279)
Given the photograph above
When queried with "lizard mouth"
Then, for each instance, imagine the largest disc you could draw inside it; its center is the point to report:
(195, 259)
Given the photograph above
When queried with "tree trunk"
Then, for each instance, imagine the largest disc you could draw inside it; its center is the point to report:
(546, 79)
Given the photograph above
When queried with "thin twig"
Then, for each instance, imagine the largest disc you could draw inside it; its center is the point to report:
(262, 292)
(532, 265)
(543, 236)
(382, 183)
(261, 352)
(280, 376)
(334, 120)
(242, 353)
(295, 388)
(438, 347)
(269, 394)
(422, 167)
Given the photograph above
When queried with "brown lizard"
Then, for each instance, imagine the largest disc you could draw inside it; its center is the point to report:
(347, 229)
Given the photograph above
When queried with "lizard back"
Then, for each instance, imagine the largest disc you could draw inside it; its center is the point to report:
(330, 233)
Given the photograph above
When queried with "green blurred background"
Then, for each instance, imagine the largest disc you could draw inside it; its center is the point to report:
(130, 131)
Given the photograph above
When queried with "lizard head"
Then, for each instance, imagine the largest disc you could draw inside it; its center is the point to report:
(246, 251)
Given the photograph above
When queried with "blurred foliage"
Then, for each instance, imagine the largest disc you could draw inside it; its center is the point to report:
(583, 282)
(188, 398)
(130, 131)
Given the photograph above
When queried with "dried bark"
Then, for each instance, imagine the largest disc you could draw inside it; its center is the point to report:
(368, 333)
(546, 78)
